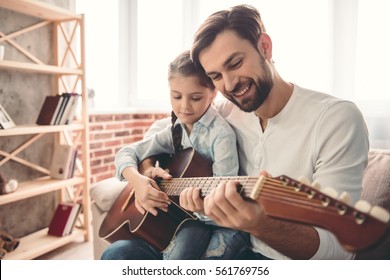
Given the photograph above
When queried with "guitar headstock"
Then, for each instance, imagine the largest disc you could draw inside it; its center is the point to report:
(357, 227)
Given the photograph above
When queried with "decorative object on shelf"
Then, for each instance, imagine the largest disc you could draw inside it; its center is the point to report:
(64, 219)
(5, 119)
(9, 187)
(7, 243)
(63, 162)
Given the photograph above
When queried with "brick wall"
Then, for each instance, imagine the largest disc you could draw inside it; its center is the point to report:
(110, 132)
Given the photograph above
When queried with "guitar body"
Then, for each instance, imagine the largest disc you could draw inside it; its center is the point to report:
(124, 222)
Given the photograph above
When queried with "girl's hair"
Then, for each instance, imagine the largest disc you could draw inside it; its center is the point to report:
(183, 66)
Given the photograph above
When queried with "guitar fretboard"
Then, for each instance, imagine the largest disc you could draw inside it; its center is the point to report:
(249, 186)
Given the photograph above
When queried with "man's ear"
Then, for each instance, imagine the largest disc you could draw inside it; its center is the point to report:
(264, 45)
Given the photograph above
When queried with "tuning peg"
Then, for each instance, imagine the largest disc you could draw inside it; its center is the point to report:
(304, 180)
(380, 213)
(363, 206)
(316, 185)
(330, 192)
(345, 197)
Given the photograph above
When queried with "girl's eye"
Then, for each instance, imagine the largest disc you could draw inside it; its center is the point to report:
(176, 97)
(196, 98)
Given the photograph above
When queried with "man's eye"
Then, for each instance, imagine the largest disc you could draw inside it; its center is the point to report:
(215, 77)
(236, 64)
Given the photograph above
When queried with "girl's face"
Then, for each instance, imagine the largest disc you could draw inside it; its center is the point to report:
(189, 99)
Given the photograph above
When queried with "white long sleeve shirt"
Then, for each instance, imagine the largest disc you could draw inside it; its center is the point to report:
(315, 135)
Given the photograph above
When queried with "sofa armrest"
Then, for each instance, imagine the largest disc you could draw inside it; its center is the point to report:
(103, 195)
(105, 192)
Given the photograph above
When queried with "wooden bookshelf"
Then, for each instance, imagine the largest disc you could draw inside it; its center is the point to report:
(38, 68)
(39, 243)
(65, 47)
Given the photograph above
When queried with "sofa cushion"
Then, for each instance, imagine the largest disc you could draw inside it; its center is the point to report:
(105, 192)
(376, 179)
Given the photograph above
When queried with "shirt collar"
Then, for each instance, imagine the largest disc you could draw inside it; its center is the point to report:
(207, 117)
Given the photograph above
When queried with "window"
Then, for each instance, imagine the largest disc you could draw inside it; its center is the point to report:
(339, 47)
(130, 44)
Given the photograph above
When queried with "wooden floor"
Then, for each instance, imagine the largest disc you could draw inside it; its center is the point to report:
(79, 250)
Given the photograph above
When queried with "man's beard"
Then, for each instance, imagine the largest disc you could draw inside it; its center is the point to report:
(263, 87)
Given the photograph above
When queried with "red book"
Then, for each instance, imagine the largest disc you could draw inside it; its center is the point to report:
(60, 218)
(48, 110)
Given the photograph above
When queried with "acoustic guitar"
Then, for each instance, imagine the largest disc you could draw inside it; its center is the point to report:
(281, 197)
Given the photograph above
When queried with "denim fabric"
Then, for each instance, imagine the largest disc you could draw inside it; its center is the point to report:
(194, 240)
(189, 243)
(135, 249)
(226, 244)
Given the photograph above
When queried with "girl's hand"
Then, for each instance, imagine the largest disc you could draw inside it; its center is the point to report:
(148, 196)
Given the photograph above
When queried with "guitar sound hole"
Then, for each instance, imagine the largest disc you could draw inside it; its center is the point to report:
(359, 218)
(341, 209)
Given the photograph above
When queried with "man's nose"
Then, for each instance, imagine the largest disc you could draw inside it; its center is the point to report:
(230, 81)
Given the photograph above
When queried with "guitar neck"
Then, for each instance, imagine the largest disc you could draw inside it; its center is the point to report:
(285, 198)
(249, 186)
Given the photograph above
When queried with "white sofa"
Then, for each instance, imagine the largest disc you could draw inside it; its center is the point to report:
(376, 190)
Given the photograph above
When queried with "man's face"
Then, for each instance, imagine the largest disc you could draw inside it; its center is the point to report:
(238, 70)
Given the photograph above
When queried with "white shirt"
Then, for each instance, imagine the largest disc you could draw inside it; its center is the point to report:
(315, 135)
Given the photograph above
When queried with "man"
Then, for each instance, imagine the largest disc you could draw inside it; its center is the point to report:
(281, 128)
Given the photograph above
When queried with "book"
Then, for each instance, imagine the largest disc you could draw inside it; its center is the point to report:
(63, 219)
(62, 159)
(59, 219)
(57, 109)
(70, 107)
(65, 100)
(73, 109)
(76, 209)
(48, 109)
(72, 165)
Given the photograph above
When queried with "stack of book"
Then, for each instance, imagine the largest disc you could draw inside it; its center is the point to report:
(63, 162)
(58, 109)
(64, 219)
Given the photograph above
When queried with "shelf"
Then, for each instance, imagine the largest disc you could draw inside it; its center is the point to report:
(67, 34)
(38, 68)
(37, 187)
(38, 9)
(39, 243)
(36, 129)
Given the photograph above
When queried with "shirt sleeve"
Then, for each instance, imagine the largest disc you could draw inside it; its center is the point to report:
(131, 155)
(341, 151)
(330, 248)
(225, 162)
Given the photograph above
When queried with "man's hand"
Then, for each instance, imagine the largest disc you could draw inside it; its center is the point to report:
(190, 200)
(227, 208)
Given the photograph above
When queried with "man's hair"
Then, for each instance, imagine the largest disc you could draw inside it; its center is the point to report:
(184, 66)
(244, 20)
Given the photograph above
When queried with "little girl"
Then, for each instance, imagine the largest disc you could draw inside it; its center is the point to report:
(196, 124)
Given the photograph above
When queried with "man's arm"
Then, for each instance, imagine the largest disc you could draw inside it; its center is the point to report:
(225, 206)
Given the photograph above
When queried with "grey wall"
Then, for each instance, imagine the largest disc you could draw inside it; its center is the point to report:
(22, 95)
